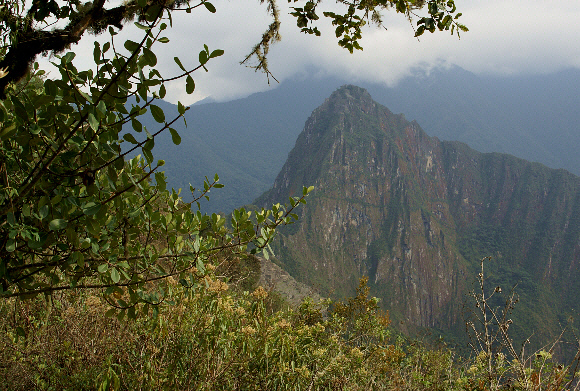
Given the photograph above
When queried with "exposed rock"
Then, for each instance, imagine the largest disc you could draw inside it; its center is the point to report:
(273, 277)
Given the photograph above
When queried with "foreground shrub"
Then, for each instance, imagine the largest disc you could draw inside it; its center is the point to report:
(218, 337)
(215, 339)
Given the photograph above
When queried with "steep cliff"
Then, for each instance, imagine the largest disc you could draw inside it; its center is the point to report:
(416, 215)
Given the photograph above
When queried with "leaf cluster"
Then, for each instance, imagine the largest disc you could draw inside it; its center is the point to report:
(441, 15)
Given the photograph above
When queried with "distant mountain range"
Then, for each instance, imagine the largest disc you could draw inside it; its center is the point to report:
(417, 214)
(247, 141)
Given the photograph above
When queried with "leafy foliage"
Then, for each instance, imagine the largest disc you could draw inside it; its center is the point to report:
(442, 15)
(216, 338)
(220, 337)
(78, 214)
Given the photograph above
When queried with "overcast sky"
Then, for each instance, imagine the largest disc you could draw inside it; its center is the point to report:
(506, 37)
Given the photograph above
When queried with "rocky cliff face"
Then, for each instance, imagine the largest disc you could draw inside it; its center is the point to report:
(416, 215)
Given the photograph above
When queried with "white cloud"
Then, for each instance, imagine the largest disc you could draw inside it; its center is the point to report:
(505, 37)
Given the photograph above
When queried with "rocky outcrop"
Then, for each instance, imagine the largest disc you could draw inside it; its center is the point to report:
(273, 277)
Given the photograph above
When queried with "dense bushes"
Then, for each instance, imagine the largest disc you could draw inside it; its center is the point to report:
(216, 338)
(219, 337)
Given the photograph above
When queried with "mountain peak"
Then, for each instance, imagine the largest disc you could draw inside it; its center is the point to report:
(351, 91)
(350, 95)
(351, 100)
(416, 215)
(346, 129)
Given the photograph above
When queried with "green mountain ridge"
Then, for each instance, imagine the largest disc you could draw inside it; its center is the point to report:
(417, 214)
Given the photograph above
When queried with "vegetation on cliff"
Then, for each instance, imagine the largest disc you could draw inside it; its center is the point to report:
(416, 215)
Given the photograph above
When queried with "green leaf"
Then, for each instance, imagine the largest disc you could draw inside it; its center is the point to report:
(93, 122)
(160, 179)
(131, 46)
(306, 190)
(10, 245)
(180, 108)
(420, 31)
(154, 11)
(129, 137)
(67, 58)
(175, 136)
(57, 224)
(189, 84)
(136, 212)
(199, 265)
(157, 113)
(136, 125)
(142, 26)
(34, 129)
(97, 52)
(91, 208)
(163, 39)
(115, 276)
(150, 57)
(150, 143)
(102, 108)
(79, 258)
(41, 101)
(19, 109)
(210, 7)
(50, 88)
(43, 201)
(148, 155)
(103, 268)
(446, 20)
(202, 57)
(216, 53)
(178, 62)
(8, 131)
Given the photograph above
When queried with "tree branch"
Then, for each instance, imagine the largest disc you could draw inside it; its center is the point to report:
(30, 42)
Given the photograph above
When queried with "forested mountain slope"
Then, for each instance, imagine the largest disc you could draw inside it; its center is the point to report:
(417, 214)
